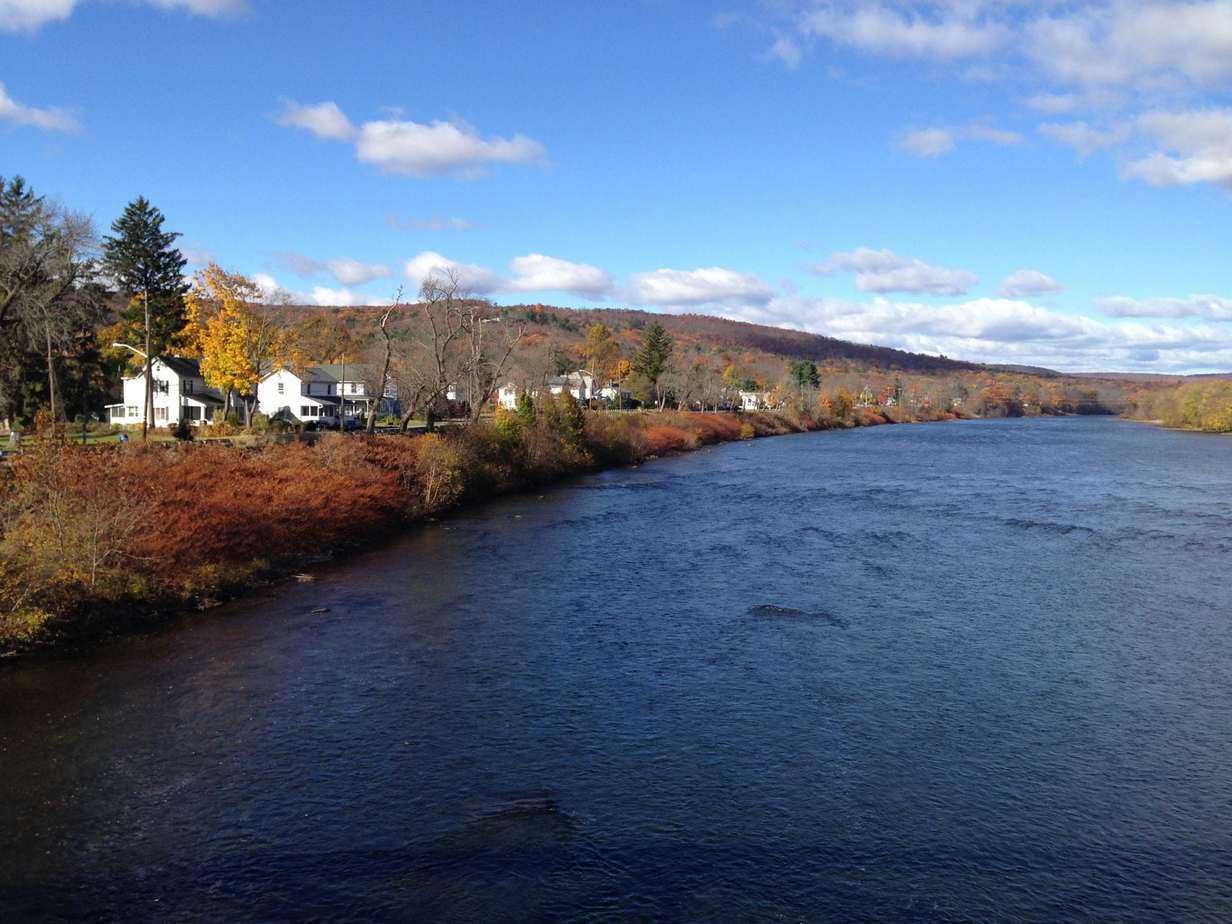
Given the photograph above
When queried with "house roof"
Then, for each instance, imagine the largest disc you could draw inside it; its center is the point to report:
(181, 366)
(334, 372)
(204, 397)
(572, 378)
(184, 368)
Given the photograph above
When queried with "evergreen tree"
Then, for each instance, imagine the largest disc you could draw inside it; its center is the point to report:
(804, 374)
(526, 409)
(148, 270)
(653, 356)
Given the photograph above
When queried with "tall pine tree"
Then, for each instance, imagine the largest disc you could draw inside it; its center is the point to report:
(653, 356)
(148, 270)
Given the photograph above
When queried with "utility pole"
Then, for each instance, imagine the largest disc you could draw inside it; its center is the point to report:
(149, 371)
(146, 357)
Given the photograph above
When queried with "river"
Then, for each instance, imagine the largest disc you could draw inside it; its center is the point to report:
(976, 670)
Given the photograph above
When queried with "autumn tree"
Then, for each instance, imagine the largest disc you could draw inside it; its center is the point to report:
(148, 271)
(236, 339)
(602, 354)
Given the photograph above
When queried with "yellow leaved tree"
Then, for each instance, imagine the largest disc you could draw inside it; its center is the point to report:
(234, 335)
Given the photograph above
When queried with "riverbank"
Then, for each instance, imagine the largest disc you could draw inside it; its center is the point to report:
(99, 541)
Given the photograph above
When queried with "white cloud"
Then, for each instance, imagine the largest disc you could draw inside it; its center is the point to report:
(714, 285)
(1005, 331)
(884, 271)
(343, 298)
(1026, 282)
(1147, 45)
(214, 9)
(1209, 307)
(1083, 138)
(31, 15)
(353, 273)
(431, 223)
(1200, 146)
(323, 296)
(346, 271)
(537, 272)
(52, 120)
(1054, 103)
(787, 51)
(400, 146)
(928, 142)
(476, 279)
(993, 135)
(415, 149)
(933, 142)
(1095, 47)
(919, 32)
(325, 120)
(268, 285)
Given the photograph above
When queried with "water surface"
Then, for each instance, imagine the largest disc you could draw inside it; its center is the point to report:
(944, 672)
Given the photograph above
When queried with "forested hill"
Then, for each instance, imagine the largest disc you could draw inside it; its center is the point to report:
(740, 335)
(695, 332)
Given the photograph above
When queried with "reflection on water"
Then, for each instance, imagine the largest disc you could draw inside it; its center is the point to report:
(945, 672)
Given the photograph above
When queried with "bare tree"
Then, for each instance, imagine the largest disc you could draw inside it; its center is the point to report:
(379, 383)
(45, 296)
(433, 362)
(486, 356)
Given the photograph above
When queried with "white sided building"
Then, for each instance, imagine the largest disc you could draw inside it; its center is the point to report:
(319, 392)
(179, 393)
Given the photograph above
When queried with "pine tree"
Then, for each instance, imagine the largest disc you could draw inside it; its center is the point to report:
(526, 409)
(653, 356)
(149, 271)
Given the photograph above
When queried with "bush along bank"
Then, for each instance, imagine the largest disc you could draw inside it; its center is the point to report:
(100, 539)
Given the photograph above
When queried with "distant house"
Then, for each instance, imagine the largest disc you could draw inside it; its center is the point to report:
(865, 397)
(180, 393)
(507, 396)
(330, 391)
(754, 400)
(580, 384)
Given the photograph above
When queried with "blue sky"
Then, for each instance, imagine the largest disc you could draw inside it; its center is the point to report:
(1004, 181)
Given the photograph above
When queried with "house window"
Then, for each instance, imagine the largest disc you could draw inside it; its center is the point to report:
(194, 413)
(281, 388)
(132, 411)
(160, 413)
(161, 387)
(188, 386)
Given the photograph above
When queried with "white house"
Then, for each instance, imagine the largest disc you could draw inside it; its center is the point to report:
(580, 384)
(753, 400)
(179, 393)
(318, 392)
(507, 396)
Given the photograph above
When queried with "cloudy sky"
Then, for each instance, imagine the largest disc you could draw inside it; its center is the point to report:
(1001, 180)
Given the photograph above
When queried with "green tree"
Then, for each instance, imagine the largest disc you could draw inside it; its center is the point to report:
(804, 374)
(565, 418)
(526, 408)
(148, 271)
(653, 357)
